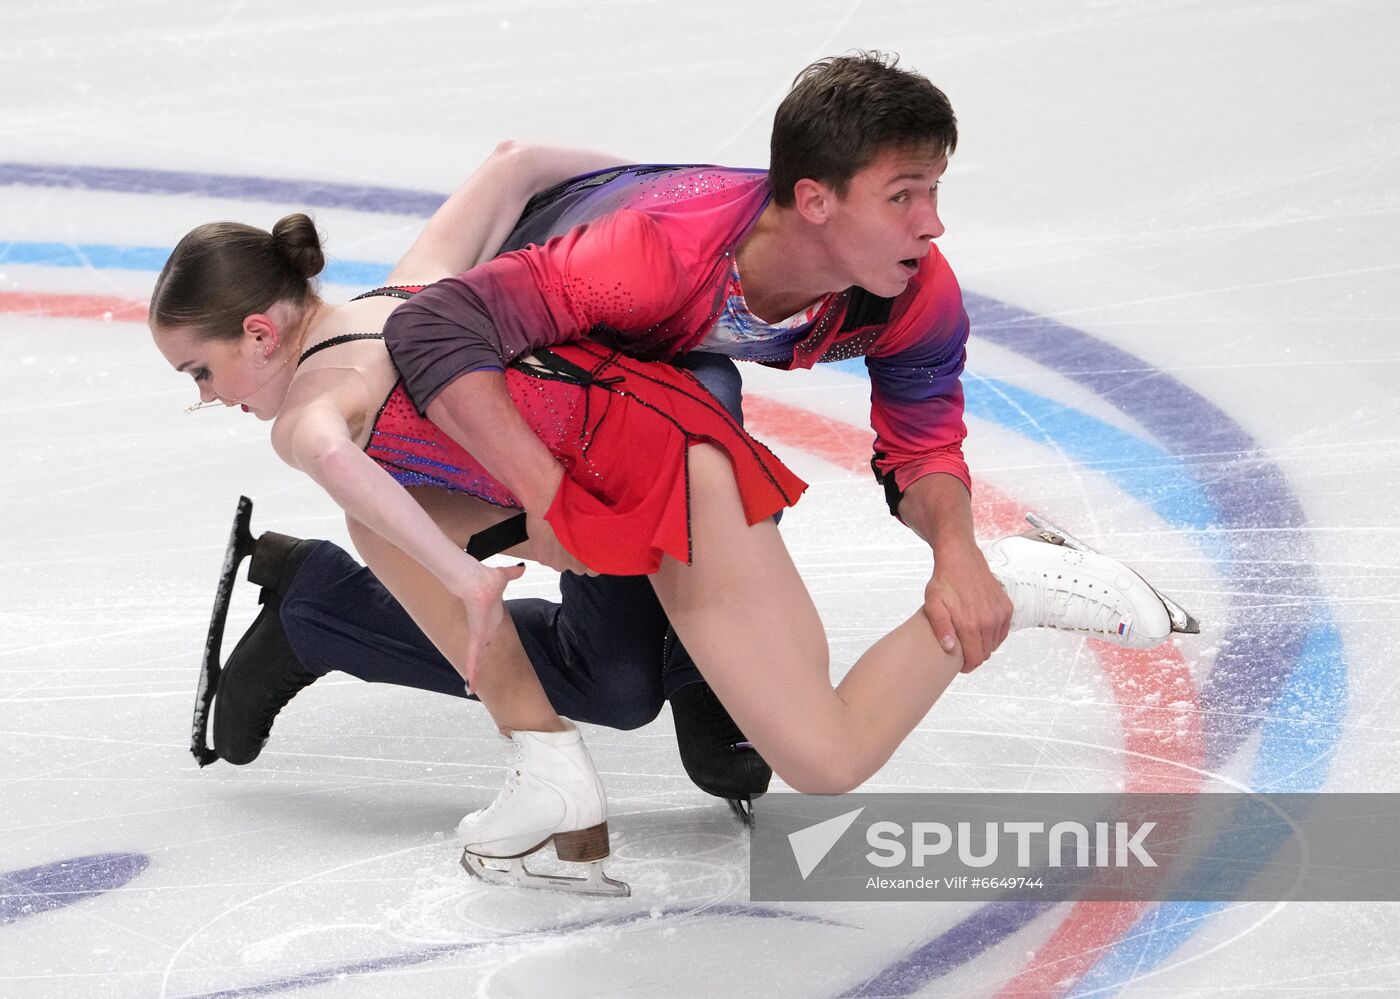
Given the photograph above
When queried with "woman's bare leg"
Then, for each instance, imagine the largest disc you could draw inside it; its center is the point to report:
(745, 616)
(507, 684)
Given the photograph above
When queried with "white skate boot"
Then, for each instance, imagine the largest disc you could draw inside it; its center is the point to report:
(552, 794)
(1055, 581)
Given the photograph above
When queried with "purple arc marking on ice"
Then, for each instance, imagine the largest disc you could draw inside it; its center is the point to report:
(312, 193)
(426, 954)
(63, 882)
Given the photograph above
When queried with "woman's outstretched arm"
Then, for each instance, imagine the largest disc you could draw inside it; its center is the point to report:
(314, 436)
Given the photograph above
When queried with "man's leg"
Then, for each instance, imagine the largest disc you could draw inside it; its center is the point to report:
(263, 672)
(323, 611)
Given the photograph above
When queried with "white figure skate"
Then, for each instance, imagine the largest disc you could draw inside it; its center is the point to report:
(1056, 581)
(552, 794)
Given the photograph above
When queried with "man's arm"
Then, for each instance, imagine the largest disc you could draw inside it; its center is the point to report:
(453, 340)
(507, 447)
(917, 413)
(468, 229)
(963, 600)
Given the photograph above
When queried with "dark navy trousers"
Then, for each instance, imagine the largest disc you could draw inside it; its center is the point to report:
(605, 654)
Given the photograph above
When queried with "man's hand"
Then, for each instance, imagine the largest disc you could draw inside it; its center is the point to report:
(545, 546)
(966, 605)
(546, 549)
(963, 601)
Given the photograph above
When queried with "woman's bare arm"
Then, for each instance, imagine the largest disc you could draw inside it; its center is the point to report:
(313, 435)
(472, 224)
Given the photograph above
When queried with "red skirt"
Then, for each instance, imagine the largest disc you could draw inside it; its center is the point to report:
(622, 429)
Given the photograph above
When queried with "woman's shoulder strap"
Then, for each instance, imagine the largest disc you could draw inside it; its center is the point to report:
(387, 291)
(336, 341)
(392, 291)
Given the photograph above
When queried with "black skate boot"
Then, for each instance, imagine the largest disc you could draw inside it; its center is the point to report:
(719, 760)
(262, 673)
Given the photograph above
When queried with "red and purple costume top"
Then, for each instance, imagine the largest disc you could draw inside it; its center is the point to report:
(621, 428)
(642, 256)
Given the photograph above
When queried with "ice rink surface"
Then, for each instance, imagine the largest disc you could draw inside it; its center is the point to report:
(1176, 226)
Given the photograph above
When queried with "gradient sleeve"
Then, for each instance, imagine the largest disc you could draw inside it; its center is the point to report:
(916, 396)
(619, 271)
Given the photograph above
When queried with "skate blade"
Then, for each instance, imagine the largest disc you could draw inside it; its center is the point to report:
(743, 810)
(1182, 621)
(516, 875)
(240, 546)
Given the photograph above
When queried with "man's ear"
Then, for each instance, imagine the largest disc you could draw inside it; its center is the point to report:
(813, 200)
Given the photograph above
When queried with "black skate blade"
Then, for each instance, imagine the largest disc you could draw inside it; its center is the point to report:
(743, 811)
(1182, 622)
(516, 875)
(240, 546)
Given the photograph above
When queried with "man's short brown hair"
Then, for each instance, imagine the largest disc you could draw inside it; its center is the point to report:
(844, 111)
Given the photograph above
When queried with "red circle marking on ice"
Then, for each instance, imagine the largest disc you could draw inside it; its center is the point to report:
(61, 306)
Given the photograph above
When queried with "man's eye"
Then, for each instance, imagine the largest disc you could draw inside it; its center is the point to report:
(900, 198)
(201, 374)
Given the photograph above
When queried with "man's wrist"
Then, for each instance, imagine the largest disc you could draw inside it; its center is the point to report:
(953, 550)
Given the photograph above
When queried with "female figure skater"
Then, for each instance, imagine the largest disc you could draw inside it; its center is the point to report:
(659, 480)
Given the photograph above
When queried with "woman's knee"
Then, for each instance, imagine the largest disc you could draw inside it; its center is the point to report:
(825, 776)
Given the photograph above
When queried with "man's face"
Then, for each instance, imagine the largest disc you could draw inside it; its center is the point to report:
(881, 229)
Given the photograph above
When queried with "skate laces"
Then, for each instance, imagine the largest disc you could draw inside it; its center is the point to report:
(1046, 601)
(513, 781)
(282, 687)
(720, 720)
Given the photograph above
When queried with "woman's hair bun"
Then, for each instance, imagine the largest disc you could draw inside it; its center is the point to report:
(296, 238)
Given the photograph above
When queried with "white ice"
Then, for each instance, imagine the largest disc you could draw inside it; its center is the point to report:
(1210, 187)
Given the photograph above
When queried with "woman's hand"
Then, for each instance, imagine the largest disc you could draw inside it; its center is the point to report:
(481, 591)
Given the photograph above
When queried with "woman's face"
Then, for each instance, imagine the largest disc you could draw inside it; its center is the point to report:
(249, 372)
